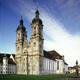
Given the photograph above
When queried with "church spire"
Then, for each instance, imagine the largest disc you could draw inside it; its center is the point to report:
(37, 5)
(21, 21)
(37, 14)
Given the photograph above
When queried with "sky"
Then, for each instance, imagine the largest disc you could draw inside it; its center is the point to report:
(61, 20)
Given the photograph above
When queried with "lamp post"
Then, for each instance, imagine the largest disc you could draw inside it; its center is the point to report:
(32, 60)
(27, 61)
(77, 71)
(27, 64)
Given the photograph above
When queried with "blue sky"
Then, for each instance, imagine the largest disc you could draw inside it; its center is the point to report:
(61, 19)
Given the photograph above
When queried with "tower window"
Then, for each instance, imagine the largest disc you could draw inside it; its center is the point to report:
(34, 31)
(34, 28)
(18, 48)
(18, 35)
(34, 44)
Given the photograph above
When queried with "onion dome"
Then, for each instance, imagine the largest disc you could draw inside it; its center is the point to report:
(21, 26)
(37, 19)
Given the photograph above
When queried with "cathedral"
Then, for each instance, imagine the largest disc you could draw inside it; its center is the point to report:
(29, 55)
(31, 58)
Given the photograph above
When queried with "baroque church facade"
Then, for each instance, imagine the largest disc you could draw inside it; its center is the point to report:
(31, 58)
(29, 55)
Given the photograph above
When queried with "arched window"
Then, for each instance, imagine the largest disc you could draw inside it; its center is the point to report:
(57, 65)
(34, 31)
(34, 44)
(17, 48)
(26, 52)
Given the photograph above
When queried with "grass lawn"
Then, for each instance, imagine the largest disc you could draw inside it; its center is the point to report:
(31, 77)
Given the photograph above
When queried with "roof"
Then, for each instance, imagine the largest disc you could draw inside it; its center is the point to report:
(13, 55)
(74, 67)
(52, 55)
(37, 19)
(10, 61)
(3, 54)
(21, 27)
(47, 55)
(65, 63)
(55, 54)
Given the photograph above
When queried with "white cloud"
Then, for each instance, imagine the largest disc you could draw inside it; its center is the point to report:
(61, 40)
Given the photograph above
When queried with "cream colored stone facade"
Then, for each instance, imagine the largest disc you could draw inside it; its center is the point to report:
(29, 55)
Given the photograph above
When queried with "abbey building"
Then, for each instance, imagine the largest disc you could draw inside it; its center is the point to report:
(30, 57)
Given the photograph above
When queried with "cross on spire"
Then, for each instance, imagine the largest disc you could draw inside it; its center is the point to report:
(21, 21)
(37, 5)
(21, 17)
(37, 12)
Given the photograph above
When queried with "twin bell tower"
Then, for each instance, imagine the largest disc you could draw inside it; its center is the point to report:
(29, 54)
